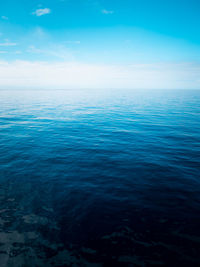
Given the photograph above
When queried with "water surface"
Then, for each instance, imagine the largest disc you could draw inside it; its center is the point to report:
(99, 178)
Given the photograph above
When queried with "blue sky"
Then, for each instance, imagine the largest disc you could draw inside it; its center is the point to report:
(161, 37)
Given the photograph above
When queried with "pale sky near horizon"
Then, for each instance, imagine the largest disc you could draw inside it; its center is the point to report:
(100, 44)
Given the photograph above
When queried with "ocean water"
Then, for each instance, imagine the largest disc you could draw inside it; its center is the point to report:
(99, 178)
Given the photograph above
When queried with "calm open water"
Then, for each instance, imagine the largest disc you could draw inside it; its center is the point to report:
(99, 178)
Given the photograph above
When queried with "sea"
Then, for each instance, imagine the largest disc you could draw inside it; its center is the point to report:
(99, 178)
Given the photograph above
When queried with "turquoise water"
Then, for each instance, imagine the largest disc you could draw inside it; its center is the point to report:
(99, 178)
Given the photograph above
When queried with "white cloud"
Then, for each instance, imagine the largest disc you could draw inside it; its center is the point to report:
(25, 74)
(41, 11)
(107, 12)
(4, 17)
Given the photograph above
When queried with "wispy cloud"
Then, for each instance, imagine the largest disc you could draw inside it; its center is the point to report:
(4, 17)
(33, 49)
(18, 52)
(107, 12)
(8, 44)
(54, 51)
(72, 42)
(11, 52)
(41, 11)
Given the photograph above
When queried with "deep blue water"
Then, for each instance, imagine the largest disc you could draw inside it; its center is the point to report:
(99, 178)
